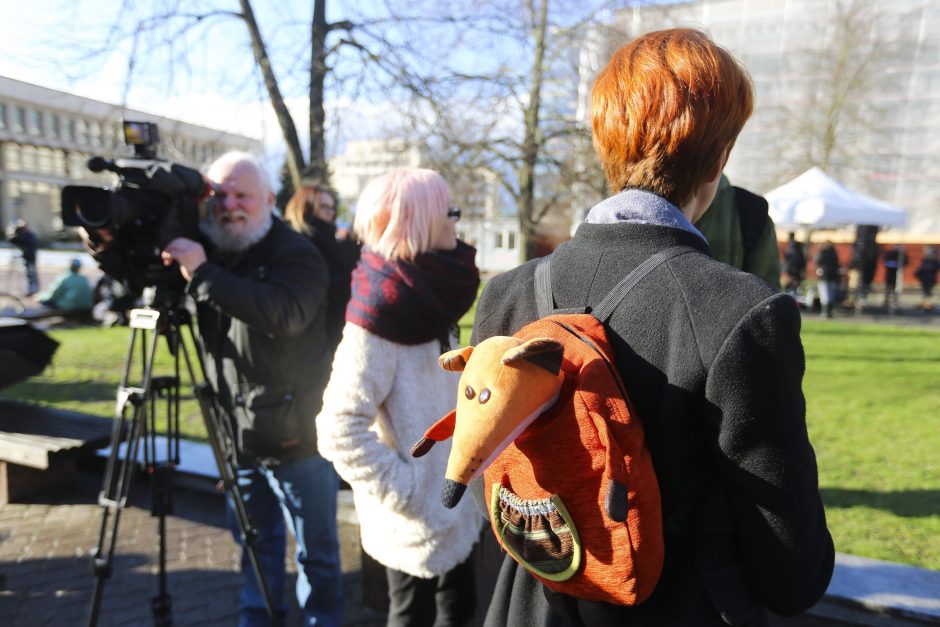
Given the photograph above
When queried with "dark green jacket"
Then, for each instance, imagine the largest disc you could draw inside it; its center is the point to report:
(721, 226)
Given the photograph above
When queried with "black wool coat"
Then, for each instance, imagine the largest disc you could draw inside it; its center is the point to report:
(713, 363)
(262, 318)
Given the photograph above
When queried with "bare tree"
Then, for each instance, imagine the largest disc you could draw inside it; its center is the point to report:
(171, 29)
(517, 117)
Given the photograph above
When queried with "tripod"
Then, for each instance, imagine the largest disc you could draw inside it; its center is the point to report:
(136, 423)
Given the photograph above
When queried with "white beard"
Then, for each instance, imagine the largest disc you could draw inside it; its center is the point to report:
(226, 241)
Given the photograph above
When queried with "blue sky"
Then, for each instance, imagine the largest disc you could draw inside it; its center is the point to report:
(217, 85)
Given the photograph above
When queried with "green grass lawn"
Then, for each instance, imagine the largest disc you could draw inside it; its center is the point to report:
(873, 411)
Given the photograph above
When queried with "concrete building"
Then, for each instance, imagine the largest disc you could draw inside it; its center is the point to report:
(852, 86)
(477, 193)
(365, 159)
(47, 137)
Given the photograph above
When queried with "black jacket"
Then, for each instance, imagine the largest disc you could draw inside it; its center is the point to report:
(262, 320)
(713, 362)
(26, 241)
(340, 256)
(827, 264)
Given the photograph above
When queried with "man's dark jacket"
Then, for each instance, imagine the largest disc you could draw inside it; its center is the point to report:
(712, 360)
(262, 319)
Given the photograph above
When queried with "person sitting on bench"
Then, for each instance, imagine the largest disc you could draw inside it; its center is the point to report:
(70, 291)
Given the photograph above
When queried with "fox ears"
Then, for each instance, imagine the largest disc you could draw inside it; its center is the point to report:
(540, 351)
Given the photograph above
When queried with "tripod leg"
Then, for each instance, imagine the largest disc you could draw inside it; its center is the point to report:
(222, 442)
(119, 475)
(161, 480)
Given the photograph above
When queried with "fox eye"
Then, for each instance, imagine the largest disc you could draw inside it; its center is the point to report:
(484, 395)
(469, 392)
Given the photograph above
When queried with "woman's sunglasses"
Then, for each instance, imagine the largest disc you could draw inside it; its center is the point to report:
(453, 212)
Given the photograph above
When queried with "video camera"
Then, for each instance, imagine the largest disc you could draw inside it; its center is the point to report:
(154, 202)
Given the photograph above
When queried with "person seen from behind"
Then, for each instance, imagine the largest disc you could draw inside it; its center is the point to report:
(894, 260)
(829, 274)
(70, 292)
(312, 212)
(926, 274)
(794, 265)
(414, 281)
(711, 357)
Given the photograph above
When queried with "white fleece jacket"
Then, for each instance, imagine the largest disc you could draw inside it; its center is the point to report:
(380, 400)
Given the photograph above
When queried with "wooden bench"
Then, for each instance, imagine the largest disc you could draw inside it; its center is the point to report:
(40, 446)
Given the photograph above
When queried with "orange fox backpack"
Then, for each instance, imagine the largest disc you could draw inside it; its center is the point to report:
(574, 498)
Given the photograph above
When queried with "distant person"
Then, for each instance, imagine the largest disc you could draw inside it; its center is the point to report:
(893, 260)
(829, 274)
(70, 292)
(113, 302)
(312, 211)
(794, 265)
(741, 233)
(865, 252)
(414, 282)
(21, 236)
(926, 274)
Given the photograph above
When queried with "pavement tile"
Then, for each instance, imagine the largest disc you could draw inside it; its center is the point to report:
(45, 549)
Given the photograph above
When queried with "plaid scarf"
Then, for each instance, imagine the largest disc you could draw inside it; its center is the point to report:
(412, 302)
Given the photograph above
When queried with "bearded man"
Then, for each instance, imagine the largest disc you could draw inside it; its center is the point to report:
(260, 293)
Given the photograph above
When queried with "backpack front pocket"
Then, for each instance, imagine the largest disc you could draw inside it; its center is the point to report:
(540, 534)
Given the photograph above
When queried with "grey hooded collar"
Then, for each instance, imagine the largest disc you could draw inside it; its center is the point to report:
(640, 207)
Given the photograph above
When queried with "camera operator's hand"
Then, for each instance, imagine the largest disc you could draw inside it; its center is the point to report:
(96, 240)
(189, 254)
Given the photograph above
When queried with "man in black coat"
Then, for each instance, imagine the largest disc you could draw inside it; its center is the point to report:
(260, 290)
(711, 356)
(23, 238)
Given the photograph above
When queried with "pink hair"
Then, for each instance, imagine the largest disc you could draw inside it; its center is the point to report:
(399, 212)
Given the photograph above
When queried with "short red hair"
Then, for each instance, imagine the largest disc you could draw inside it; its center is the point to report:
(664, 111)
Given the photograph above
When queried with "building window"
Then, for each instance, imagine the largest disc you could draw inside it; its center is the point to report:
(53, 125)
(81, 131)
(511, 240)
(11, 156)
(58, 163)
(499, 239)
(94, 131)
(44, 160)
(19, 119)
(29, 158)
(35, 122)
(3, 116)
(77, 169)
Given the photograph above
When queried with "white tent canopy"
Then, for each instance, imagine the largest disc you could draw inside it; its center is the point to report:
(815, 200)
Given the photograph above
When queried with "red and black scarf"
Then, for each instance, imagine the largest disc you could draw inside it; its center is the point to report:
(412, 302)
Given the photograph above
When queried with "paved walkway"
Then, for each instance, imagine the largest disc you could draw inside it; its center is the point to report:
(46, 568)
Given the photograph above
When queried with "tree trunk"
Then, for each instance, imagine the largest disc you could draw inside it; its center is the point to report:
(317, 168)
(295, 157)
(532, 143)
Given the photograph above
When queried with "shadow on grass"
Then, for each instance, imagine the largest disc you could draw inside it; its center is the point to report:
(875, 358)
(907, 503)
(53, 391)
(870, 332)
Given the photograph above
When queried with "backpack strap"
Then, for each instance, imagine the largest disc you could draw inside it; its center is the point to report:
(606, 307)
(544, 300)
